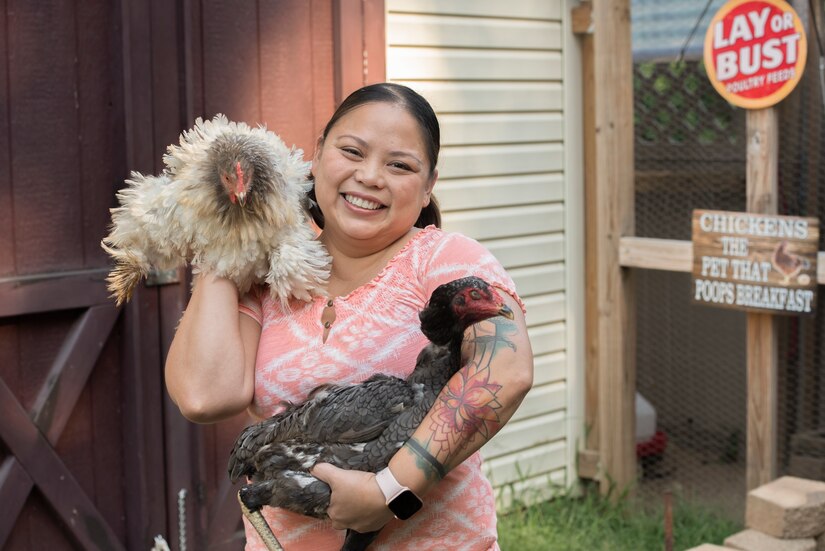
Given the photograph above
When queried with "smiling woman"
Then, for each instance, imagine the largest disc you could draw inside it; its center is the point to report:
(371, 181)
(374, 170)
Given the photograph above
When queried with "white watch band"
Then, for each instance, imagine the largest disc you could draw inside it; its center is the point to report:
(388, 484)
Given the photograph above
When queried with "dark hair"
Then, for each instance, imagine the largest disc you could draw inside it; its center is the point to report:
(420, 110)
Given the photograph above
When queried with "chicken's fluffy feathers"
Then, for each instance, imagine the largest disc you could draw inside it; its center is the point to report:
(184, 215)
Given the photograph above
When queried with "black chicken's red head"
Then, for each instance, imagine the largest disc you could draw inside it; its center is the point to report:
(456, 305)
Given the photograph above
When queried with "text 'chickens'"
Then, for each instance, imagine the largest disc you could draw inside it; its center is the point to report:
(755, 262)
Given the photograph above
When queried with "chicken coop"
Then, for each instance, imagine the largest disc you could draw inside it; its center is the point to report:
(734, 405)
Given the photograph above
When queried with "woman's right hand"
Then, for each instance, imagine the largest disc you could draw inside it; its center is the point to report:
(211, 363)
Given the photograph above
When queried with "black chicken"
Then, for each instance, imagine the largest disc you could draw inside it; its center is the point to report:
(358, 426)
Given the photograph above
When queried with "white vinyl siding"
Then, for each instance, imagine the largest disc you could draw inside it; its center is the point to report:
(495, 73)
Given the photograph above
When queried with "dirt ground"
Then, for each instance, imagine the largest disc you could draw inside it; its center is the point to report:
(698, 477)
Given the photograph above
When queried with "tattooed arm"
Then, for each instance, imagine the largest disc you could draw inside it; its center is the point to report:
(475, 404)
(477, 401)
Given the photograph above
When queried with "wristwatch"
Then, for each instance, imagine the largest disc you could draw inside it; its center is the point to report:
(401, 500)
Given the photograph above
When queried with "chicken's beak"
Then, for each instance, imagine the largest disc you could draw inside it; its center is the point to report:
(241, 198)
(505, 311)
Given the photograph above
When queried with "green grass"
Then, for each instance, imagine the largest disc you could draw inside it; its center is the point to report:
(591, 523)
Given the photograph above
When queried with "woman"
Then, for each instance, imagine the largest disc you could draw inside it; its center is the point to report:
(374, 170)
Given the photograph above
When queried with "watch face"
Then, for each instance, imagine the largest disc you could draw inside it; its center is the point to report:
(405, 505)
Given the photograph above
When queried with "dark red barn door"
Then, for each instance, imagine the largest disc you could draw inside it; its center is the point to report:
(93, 455)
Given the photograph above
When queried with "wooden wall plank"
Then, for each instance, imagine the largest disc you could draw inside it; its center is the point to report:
(167, 104)
(231, 64)
(44, 134)
(100, 110)
(500, 128)
(375, 41)
(137, 93)
(106, 396)
(478, 97)
(532, 9)
(323, 71)
(472, 32)
(466, 64)
(493, 192)
(348, 21)
(488, 160)
(7, 247)
(286, 84)
(144, 490)
(143, 458)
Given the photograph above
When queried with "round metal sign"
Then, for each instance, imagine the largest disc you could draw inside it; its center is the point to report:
(755, 52)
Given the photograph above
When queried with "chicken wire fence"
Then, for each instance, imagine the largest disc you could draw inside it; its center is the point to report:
(690, 153)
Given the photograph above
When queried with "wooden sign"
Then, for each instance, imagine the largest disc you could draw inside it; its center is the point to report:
(755, 52)
(755, 262)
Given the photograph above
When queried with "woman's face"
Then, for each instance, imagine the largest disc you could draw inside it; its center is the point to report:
(372, 177)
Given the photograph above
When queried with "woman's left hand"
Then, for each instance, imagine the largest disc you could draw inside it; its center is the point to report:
(356, 501)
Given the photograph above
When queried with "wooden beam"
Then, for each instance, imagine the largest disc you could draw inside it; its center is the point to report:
(587, 464)
(614, 190)
(71, 369)
(65, 495)
(581, 14)
(38, 293)
(762, 341)
(674, 256)
(582, 18)
(656, 254)
(15, 486)
(57, 398)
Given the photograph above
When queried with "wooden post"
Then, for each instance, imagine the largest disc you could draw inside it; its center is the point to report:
(762, 198)
(582, 21)
(613, 63)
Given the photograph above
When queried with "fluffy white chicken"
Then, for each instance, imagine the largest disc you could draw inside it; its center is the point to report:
(230, 201)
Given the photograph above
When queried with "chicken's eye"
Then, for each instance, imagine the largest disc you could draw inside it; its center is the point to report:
(475, 295)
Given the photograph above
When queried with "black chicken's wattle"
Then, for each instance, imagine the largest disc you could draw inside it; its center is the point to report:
(358, 426)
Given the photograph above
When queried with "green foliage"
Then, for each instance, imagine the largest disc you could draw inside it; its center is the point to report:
(675, 103)
(593, 523)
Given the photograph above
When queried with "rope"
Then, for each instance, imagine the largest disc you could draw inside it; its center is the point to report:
(263, 529)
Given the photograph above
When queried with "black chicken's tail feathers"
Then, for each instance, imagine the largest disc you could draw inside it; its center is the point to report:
(356, 541)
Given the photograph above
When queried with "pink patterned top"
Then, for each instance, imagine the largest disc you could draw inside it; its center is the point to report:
(376, 328)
